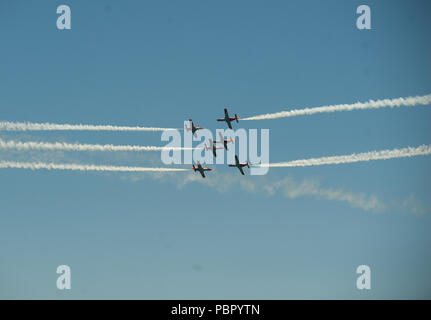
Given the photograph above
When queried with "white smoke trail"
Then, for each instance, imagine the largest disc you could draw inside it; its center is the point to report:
(81, 167)
(27, 126)
(358, 157)
(32, 145)
(371, 104)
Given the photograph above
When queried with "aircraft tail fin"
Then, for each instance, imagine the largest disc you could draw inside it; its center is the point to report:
(236, 118)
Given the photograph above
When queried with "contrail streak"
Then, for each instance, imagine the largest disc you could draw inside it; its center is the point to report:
(371, 104)
(356, 157)
(82, 167)
(28, 126)
(32, 145)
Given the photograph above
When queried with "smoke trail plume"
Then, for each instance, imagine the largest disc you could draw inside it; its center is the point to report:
(81, 167)
(356, 157)
(27, 126)
(32, 145)
(371, 104)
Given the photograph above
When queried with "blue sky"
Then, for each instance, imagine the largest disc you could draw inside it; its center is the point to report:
(157, 63)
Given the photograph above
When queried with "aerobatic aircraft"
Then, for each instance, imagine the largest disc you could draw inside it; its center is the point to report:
(193, 128)
(224, 141)
(212, 147)
(228, 119)
(201, 169)
(240, 165)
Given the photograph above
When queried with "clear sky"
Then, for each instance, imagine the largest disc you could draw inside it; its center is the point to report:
(294, 233)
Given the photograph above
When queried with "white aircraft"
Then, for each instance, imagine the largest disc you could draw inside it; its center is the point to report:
(212, 147)
(224, 141)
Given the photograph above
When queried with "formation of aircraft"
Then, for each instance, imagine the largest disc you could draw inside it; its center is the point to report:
(213, 147)
(240, 165)
(228, 119)
(201, 169)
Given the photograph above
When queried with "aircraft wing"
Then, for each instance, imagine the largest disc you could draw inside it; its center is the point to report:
(240, 169)
(202, 174)
(221, 137)
(225, 113)
(229, 124)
